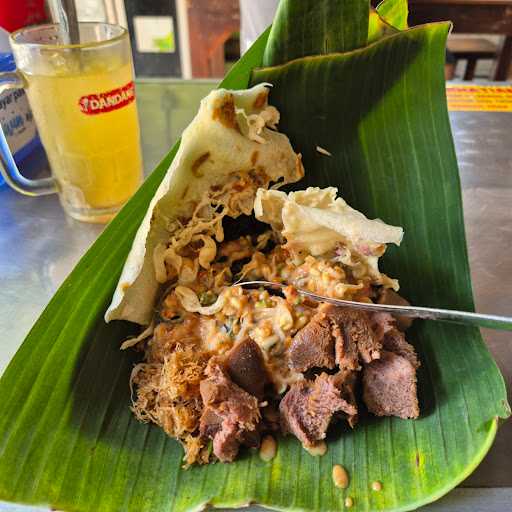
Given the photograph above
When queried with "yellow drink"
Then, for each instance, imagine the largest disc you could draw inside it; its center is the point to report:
(83, 100)
(87, 121)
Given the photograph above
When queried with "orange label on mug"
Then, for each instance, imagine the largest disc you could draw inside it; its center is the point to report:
(107, 101)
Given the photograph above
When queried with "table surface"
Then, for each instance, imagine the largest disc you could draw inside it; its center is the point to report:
(39, 246)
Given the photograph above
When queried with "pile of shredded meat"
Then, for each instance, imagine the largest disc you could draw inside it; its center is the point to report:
(224, 365)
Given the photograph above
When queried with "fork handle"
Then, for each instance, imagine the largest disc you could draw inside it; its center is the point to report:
(446, 315)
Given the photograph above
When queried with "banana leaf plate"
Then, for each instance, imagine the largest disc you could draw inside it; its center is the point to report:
(361, 84)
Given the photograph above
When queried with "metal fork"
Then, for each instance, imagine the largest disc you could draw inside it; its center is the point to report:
(445, 315)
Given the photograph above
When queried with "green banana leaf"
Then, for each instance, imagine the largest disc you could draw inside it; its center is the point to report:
(67, 436)
(395, 12)
(309, 27)
(387, 19)
(378, 27)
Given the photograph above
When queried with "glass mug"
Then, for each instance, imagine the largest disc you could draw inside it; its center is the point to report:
(83, 100)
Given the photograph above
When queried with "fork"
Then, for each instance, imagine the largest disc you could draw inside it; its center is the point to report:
(425, 313)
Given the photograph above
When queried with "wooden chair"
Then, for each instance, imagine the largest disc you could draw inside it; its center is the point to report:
(472, 17)
(472, 50)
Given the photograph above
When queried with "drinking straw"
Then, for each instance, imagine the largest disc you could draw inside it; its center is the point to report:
(68, 22)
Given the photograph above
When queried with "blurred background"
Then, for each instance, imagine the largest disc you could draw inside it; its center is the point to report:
(181, 48)
(200, 39)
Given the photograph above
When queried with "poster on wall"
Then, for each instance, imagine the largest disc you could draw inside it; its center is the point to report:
(155, 30)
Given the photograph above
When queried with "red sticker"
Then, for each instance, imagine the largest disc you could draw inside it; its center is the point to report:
(107, 101)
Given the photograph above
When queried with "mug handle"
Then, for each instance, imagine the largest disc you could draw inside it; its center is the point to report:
(8, 167)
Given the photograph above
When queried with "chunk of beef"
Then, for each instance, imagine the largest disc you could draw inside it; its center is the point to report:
(227, 435)
(334, 335)
(346, 382)
(394, 341)
(210, 423)
(308, 407)
(270, 418)
(345, 349)
(389, 296)
(230, 415)
(313, 345)
(389, 386)
(354, 336)
(382, 323)
(246, 367)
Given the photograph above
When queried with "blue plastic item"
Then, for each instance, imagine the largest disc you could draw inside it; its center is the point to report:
(7, 64)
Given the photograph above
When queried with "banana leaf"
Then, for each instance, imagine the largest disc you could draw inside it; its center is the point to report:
(395, 12)
(312, 27)
(388, 18)
(67, 436)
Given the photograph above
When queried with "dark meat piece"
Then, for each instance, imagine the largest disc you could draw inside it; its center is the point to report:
(345, 349)
(382, 323)
(389, 387)
(389, 296)
(226, 441)
(308, 407)
(354, 335)
(251, 438)
(270, 420)
(395, 342)
(313, 345)
(246, 367)
(210, 423)
(230, 415)
(334, 335)
(346, 382)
